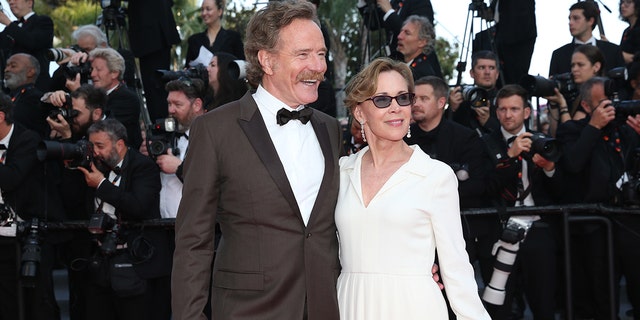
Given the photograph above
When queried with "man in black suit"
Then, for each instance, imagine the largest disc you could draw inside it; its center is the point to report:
(127, 188)
(462, 149)
(523, 177)
(22, 188)
(20, 76)
(416, 42)
(583, 17)
(515, 36)
(390, 15)
(31, 33)
(107, 73)
(600, 157)
(152, 33)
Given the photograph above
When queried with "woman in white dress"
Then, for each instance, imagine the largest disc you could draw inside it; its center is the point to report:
(396, 206)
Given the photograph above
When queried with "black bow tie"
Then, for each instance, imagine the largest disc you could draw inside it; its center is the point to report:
(22, 20)
(117, 170)
(3, 147)
(283, 116)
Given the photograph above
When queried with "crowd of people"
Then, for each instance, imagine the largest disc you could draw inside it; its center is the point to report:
(280, 211)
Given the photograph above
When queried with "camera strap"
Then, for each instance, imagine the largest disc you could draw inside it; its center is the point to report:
(114, 182)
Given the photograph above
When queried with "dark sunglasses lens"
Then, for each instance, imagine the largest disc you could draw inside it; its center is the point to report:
(404, 99)
(382, 101)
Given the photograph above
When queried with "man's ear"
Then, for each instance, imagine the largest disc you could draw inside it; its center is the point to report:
(96, 114)
(265, 61)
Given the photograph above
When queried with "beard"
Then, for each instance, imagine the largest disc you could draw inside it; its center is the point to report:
(15, 80)
(109, 163)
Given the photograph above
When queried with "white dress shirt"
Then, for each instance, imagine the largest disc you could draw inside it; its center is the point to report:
(298, 149)
(171, 192)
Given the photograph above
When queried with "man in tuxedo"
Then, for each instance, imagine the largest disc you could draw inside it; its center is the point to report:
(416, 42)
(22, 188)
(265, 167)
(523, 177)
(462, 149)
(31, 34)
(583, 17)
(600, 157)
(127, 188)
(390, 15)
(20, 76)
(107, 72)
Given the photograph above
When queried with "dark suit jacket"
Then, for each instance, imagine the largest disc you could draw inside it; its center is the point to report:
(268, 263)
(22, 178)
(455, 144)
(561, 57)
(226, 41)
(426, 65)
(151, 26)
(124, 106)
(35, 37)
(517, 21)
(137, 198)
(503, 185)
(591, 163)
(29, 111)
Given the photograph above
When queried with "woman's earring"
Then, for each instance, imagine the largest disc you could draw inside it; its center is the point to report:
(409, 132)
(362, 131)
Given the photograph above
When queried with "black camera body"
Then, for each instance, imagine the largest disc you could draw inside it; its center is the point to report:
(197, 72)
(476, 96)
(79, 154)
(163, 137)
(539, 86)
(67, 111)
(84, 69)
(549, 148)
(100, 223)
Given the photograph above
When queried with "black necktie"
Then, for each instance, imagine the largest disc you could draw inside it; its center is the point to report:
(283, 116)
(510, 140)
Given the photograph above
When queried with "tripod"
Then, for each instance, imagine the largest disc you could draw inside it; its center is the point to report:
(379, 44)
(113, 23)
(477, 9)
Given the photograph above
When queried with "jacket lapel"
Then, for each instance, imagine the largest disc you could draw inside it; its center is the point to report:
(322, 134)
(253, 126)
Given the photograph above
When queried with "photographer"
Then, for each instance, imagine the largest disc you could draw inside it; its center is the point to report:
(524, 177)
(416, 42)
(185, 104)
(131, 266)
(107, 71)
(23, 191)
(482, 119)
(600, 157)
(390, 15)
(87, 37)
(20, 77)
(226, 82)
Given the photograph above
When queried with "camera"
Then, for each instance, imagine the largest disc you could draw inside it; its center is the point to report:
(539, 86)
(100, 222)
(67, 111)
(109, 243)
(476, 96)
(57, 54)
(505, 251)
(84, 69)
(197, 72)
(630, 195)
(79, 154)
(31, 251)
(548, 148)
(163, 138)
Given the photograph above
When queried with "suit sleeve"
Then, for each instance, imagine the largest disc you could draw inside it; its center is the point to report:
(20, 160)
(142, 194)
(195, 225)
(35, 38)
(578, 145)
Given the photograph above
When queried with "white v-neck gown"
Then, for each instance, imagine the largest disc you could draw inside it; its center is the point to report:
(388, 248)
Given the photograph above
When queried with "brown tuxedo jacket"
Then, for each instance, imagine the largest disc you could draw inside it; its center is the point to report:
(269, 265)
